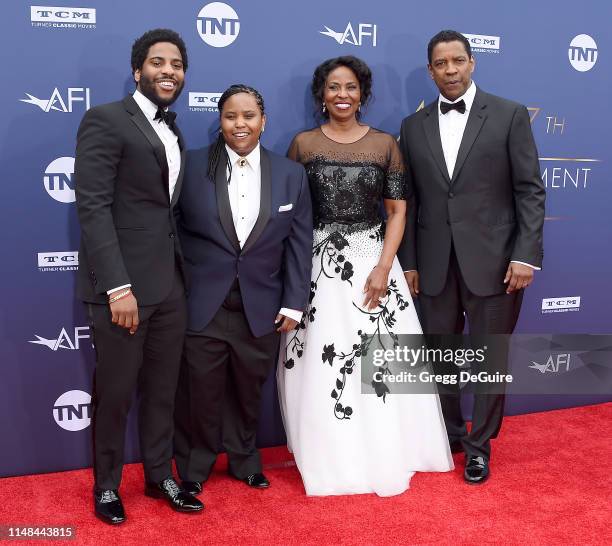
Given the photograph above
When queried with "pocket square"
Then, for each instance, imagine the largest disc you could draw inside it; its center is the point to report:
(285, 208)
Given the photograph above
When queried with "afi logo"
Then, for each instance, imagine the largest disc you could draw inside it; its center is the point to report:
(63, 340)
(218, 24)
(349, 36)
(49, 14)
(72, 410)
(582, 52)
(74, 95)
(58, 180)
(554, 364)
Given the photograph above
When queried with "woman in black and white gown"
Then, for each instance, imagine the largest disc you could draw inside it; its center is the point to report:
(343, 441)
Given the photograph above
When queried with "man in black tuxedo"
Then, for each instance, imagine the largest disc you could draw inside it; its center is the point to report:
(128, 171)
(474, 231)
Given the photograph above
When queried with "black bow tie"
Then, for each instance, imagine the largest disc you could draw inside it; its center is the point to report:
(166, 116)
(446, 107)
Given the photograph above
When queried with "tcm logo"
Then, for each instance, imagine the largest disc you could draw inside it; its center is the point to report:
(483, 44)
(218, 24)
(560, 305)
(58, 261)
(74, 96)
(63, 340)
(365, 32)
(62, 17)
(72, 410)
(58, 179)
(204, 102)
(555, 364)
(582, 53)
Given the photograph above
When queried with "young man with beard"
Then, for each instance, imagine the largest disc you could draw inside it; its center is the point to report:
(128, 172)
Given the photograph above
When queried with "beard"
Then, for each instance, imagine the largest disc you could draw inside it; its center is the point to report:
(148, 89)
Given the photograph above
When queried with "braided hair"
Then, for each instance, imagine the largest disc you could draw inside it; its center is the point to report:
(217, 150)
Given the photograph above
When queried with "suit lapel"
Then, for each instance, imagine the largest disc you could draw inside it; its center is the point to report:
(143, 124)
(223, 202)
(474, 124)
(431, 126)
(179, 180)
(265, 202)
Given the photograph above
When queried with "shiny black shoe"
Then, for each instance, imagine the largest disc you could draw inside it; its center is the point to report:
(108, 506)
(193, 488)
(257, 480)
(177, 497)
(476, 470)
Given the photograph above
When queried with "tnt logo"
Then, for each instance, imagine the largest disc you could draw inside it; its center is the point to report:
(218, 24)
(582, 53)
(58, 103)
(349, 36)
(58, 180)
(72, 410)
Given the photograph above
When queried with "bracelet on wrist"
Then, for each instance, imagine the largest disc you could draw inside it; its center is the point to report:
(119, 296)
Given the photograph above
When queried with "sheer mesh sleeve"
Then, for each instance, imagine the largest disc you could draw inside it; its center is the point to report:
(294, 149)
(395, 183)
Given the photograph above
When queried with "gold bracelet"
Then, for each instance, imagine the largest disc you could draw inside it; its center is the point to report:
(120, 296)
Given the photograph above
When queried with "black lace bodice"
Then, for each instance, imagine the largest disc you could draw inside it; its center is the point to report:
(348, 181)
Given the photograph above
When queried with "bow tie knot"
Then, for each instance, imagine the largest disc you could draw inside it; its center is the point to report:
(446, 107)
(165, 116)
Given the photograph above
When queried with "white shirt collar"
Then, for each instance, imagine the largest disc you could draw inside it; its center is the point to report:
(467, 97)
(149, 108)
(253, 158)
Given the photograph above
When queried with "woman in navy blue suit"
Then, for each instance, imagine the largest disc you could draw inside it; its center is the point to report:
(245, 223)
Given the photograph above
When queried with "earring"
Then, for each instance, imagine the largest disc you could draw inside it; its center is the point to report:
(263, 128)
(359, 107)
(323, 109)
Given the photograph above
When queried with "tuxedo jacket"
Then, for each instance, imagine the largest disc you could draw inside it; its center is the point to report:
(128, 233)
(492, 208)
(274, 265)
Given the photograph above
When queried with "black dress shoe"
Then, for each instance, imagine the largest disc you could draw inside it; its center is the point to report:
(476, 470)
(257, 480)
(108, 506)
(178, 498)
(193, 488)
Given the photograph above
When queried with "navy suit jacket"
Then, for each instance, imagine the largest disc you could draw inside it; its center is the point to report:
(275, 263)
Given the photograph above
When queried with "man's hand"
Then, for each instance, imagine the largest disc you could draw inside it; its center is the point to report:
(285, 324)
(125, 312)
(412, 278)
(517, 277)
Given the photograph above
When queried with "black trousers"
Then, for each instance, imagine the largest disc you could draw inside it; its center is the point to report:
(148, 361)
(446, 314)
(219, 397)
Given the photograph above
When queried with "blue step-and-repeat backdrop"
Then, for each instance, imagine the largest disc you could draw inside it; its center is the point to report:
(59, 60)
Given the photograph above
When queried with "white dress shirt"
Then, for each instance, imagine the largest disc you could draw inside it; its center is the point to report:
(171, 145)
(245, 195)
(452, 126)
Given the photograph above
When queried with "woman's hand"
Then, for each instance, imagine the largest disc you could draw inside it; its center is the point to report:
(375, 287)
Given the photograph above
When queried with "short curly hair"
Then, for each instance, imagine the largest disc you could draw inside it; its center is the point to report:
(357, 66)
(141, 46)
(448, 36)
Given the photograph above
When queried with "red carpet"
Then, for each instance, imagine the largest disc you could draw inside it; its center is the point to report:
(550, 484)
